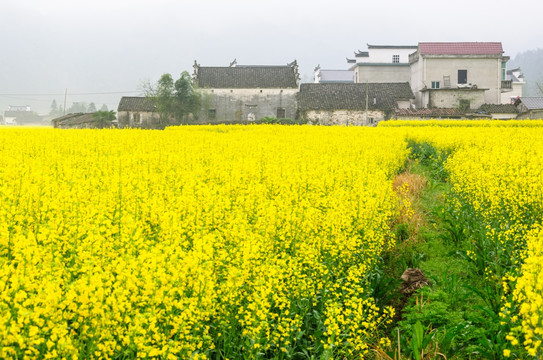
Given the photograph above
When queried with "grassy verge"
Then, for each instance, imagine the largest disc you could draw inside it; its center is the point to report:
(457, 315)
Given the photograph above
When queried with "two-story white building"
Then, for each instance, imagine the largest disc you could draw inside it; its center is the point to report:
(382, 64)
(462, 75)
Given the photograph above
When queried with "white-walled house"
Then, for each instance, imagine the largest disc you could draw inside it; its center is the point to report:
(512, 86)
(462, 75)
(247, 92)
(382, 64)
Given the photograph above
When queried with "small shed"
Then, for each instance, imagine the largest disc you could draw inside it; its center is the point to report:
(530, 107)
(497, 111)
(78, 121)
(137, 112)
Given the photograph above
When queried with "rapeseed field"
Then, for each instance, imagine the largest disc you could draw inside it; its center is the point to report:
(194, 242)
(245, 242)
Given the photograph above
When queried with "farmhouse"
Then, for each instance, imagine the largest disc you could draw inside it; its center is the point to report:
(246, 92)
(21, 115)
(462, 75)
(352, 104)
(137, 112)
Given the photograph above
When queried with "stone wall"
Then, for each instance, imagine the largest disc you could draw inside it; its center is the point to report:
(343, 117)
(138, 119)
(453, 98)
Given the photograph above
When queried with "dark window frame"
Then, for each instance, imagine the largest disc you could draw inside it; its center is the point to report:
(464, 104)
(462, 76)
(212, 114)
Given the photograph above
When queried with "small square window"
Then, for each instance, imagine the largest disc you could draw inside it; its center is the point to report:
(212, 114)
(435, 85)
(395, 59)
(281, 113)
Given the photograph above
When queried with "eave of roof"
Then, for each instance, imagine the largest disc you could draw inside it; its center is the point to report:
(456, 89)
(381, 64)
(392, 46)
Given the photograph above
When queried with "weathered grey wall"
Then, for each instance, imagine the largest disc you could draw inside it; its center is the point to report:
(148, 120)
(247, 104)
(390, 73)
(451, 98)
(343, 117)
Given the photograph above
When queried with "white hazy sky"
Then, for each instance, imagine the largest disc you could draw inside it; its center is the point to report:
(105, 46)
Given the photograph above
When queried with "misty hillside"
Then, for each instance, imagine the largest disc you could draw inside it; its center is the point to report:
(531, 64)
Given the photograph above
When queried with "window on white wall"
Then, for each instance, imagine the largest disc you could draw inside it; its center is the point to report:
(395, 59)
(462, 76)
(435, 84)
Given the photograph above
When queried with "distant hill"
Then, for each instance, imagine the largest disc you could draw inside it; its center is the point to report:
(531, 64)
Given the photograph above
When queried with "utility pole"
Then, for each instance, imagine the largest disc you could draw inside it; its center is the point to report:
(366, 116)
(65, 95)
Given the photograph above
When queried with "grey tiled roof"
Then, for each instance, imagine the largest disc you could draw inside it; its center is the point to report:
(75, 119)
(532, 103)
(327, 96)
(247, 77)
(433, 112)
(499, 108)
(135, 103)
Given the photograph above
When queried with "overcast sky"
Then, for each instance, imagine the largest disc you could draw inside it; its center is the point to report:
(111, 46)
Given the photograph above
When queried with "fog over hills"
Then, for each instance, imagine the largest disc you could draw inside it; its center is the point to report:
(531, 64)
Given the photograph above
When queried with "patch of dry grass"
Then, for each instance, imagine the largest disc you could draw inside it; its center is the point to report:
(408, 186)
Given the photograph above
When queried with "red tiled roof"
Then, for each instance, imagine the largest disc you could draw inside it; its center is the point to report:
(460, 48)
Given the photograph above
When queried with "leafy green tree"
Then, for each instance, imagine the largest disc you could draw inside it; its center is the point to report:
(104, 108)
(104, 118)
(91, 108)
(187, 100)
(174, 101)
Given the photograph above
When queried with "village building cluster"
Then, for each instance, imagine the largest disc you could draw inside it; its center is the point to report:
(428, 80)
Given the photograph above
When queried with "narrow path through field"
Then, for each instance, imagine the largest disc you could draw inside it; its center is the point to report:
(447, 318)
